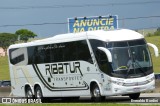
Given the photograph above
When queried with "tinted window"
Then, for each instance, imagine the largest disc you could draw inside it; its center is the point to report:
(125, 43)
(32, 55)
(68, 51)
(71, 51)
(120, 44)
(109, 44)
(103, 63)
(83, 51)
(136, 42)
(101, 57)
(17, 59)
(57, 52)
(95, 44)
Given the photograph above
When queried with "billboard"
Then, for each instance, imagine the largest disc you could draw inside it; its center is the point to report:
(81, 24)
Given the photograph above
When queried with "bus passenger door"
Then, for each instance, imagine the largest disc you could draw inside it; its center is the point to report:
(106, 68)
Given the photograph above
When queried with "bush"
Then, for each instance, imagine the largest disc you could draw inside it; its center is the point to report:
(156, 33)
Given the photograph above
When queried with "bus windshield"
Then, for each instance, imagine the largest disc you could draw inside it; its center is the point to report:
(130, 59)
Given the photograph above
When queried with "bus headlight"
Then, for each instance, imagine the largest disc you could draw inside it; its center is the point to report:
(151, 79)
(116, 82)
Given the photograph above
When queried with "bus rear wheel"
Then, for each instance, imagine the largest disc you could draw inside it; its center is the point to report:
(38, 93)
(134, 96)
(29, 93)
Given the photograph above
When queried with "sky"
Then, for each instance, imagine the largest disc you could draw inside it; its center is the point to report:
(47, 18)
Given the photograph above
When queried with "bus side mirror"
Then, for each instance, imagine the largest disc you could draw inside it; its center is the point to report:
(107, 52)
(155, 49)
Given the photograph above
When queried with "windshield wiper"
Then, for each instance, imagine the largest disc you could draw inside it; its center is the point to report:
(134, 63)
(129, 69)
(134, 60)
(141, 69)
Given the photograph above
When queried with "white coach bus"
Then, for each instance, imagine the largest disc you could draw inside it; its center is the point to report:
(93, 63)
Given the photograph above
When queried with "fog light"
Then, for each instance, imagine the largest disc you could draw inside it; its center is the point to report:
(116, 89)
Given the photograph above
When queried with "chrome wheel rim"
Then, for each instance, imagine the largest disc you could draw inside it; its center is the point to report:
(38, 94)
(96, 92)
(29, 94)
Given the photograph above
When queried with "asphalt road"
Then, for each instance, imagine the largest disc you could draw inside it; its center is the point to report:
(5, 91)
(144, 98)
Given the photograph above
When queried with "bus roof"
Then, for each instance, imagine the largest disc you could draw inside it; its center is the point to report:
(107, 36)
(115, 35)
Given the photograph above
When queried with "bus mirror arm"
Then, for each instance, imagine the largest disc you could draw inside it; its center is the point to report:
(155, 49)
(107, 52)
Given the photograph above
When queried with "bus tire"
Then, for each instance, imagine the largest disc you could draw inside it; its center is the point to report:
(38, 93)
(134, 96)
(95, 93)
(28, 93)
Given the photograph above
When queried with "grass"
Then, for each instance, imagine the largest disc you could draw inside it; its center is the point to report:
(4, 69)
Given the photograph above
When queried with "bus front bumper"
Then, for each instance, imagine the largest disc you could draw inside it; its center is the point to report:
(122, 90)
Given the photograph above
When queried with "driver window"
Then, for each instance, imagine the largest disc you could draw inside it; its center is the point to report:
(102, 61)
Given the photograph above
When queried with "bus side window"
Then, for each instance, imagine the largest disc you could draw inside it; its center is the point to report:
(83, 51)
(18, 56)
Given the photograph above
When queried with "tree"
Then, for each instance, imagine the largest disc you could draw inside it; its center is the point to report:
(157, 33)
(25, 34)
(149, 34)
(158, 29)
(6, 39)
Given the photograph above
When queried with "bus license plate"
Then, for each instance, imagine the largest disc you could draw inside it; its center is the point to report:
(136, 89)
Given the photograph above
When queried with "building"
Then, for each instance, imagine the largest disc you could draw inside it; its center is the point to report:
(2, 52)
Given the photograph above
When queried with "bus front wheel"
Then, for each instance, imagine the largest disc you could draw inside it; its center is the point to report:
(134, 96)
(95, 94)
